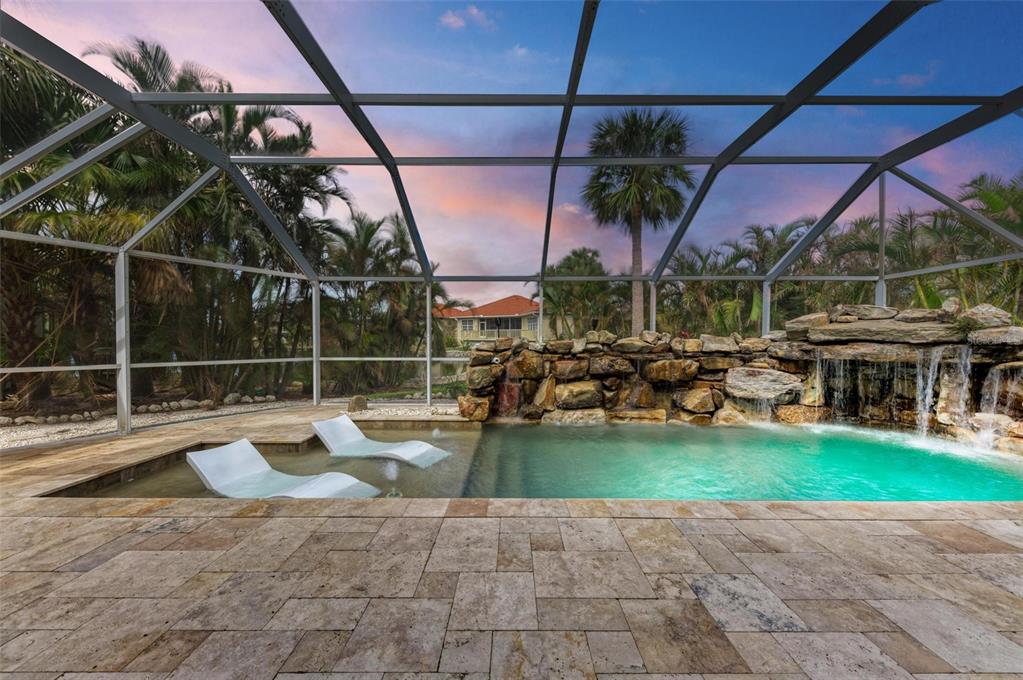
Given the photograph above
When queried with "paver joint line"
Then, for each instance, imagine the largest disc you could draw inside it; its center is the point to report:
(509, 588)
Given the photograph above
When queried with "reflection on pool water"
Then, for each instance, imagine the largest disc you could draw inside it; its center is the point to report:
(777, 462)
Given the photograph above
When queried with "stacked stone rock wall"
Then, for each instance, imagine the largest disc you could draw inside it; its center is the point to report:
(876, 365)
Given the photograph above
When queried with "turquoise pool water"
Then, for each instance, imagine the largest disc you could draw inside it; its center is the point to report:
(771, 462)
(768, 462)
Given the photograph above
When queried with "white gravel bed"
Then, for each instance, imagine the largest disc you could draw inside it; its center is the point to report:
(25, 435)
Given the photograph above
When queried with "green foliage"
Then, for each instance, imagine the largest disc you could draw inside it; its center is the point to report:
(57, 303)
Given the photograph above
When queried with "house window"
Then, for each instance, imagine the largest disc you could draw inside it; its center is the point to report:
(531, 323)
(466, 325)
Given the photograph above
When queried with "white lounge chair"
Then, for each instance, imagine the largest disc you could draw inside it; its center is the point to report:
(344, 439)
(237, 470)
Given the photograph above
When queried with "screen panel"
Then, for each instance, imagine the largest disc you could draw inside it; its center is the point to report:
(432, 46)
(740, 47)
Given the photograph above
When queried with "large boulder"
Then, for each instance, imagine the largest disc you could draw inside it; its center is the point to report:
(871, 352)
(473, 408)
(865, 312)
(991, 422)
(482, 377)
(671, 370)
(545, 397)
(1008, 335)
(583, 416)
(570, 369)
(762, 384)
(752, 345)
(952, 306)
(607, 364)
(687, 418)
(631, 345)
(718, 343)
(692, 346)
(504, 344)
(792, 351)
(527, 364)
(987, 316)
(601, 337)
(719, 363)
(232, 399)
(358, 403)
(637, 394)
(729, 414)
(698, 400)
(560, 346)
(796, 414)
(796, 329)
(478, 358)
(920, 315)
(887, 330)
(577, 395)
(643, 415)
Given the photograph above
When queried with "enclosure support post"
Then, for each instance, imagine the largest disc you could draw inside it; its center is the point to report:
(653, 306)
(539, 323)
(765, 308)
(881, 288)
(122, 348)
(317, 396)
(429, 344)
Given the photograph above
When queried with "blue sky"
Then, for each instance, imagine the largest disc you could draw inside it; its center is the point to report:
(469, 215)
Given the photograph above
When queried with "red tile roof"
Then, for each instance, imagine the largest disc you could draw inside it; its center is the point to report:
(513, 305)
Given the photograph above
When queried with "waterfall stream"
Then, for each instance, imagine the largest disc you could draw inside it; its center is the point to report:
(990, 392)
(925, 387)
(964, 366)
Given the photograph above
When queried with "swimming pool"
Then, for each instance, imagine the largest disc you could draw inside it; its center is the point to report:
(769, 462)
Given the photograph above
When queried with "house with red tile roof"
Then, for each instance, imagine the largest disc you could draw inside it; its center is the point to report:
(513, 316)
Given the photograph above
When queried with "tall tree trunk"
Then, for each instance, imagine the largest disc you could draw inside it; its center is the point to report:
(636, 231)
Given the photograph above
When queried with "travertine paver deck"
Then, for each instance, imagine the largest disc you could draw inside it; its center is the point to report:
(42, 470)
(475, 588)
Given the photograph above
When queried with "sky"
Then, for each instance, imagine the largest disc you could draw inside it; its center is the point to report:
(490, 220)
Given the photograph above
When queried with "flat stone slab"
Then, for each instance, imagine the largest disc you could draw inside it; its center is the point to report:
(519, 588)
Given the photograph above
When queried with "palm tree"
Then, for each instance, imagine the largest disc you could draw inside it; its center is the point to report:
(633, 195)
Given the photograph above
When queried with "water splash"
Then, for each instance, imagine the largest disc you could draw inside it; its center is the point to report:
(925, 387)
(990, 393)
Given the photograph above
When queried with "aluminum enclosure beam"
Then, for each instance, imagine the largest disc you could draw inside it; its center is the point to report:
(7, 370)
(576, 161)
(172, 208)
(943, 134)
(216, 265)
(25, 40)
(582, 44)
(122, 343)
(886, 20)
(292, 24)
(996, 259)
(991, 226)
(71, 169)
(56, 140)
(57, 242)
(559, 100)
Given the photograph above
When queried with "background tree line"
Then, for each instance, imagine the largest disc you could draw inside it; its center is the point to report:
(57, 303)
